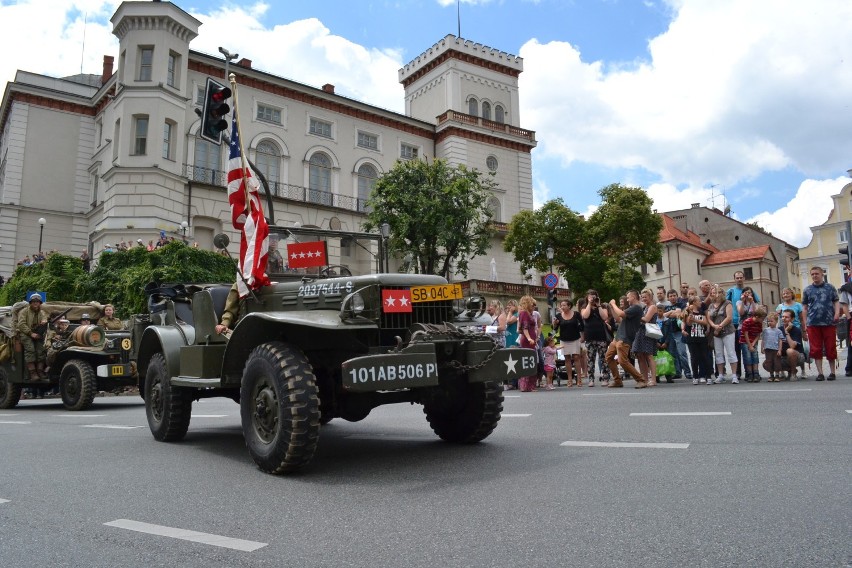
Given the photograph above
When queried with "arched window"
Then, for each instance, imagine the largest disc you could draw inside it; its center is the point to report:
(486, 111)
(498, 114)
(494, 205)
(319, 179)
(269, 163)
(472, 107)
(367, 177)
(207, 168)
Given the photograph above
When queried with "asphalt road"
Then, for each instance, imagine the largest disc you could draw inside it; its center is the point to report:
(739, 475)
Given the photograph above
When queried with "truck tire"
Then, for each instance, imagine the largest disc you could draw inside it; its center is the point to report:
(279, 408)
(77, 385)
(10, 394)
(168, 408)
(472, 418)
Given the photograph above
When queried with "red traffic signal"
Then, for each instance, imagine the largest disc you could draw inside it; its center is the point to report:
(214, 110)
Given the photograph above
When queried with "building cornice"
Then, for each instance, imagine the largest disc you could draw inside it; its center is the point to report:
(483, 138)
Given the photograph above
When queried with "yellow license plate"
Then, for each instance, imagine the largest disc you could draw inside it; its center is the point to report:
(117, 370)
(436, 293)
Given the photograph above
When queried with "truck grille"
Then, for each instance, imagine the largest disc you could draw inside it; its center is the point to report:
(393, 324)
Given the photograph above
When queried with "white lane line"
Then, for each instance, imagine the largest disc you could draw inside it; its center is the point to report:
(511, 396)
(183, 534)
(657, 445)
(390, 438)
(208, 415)
(516, 415)
(76, 415)
(607, 393)
(4, 501)
(7, 415)
(110, 426)
(769, 390)
(849, 411)
(14, 422)
(680, 414)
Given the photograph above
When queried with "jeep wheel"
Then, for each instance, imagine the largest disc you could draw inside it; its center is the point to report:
(470, 419)
(77, 384)
(167, 407)
(279, 408)
(9, 394)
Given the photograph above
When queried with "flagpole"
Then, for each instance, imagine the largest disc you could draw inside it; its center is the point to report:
(233, 79)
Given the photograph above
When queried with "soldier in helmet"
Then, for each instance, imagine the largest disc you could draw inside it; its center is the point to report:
(56, 340)
(32, 324)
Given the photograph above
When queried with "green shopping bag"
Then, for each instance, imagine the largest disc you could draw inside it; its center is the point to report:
(665, 363)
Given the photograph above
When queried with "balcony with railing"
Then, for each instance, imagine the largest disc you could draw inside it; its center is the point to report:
(281, 190)
(469, 119)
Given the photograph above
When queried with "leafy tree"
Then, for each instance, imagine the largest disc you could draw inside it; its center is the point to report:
(754, 225)
(438, 214)
(588, 252)
(120, 277)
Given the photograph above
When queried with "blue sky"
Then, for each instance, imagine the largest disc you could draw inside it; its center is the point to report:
(723, 102)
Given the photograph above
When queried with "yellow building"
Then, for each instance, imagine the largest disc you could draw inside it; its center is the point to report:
(828, 238)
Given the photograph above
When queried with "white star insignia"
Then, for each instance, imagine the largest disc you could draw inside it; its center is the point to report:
(294, 255)
(391, 301)
(318, 254)
(403, 301)
(301, 255)
(310, 254)
(510, 365)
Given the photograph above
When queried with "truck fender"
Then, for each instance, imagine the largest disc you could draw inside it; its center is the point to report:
(161, 339)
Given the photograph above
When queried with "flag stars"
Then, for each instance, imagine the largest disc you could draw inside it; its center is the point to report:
(391, 301)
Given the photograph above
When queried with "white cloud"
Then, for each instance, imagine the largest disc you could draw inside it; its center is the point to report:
(732, 89)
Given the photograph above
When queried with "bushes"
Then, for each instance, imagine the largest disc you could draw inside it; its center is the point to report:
(119, 278)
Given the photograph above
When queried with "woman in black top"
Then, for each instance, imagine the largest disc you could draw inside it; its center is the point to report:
(598, 334)
(570, 327)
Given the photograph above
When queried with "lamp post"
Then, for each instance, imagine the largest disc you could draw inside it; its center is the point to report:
(228, 58)
(621, 264)
(183, 226)
(41, 222)
(551, 294)
(385, 231)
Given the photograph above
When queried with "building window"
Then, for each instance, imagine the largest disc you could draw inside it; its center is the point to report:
(320, 128)
(140, 136)
(269, 163)
(842, 237)
(748, 273)
(199, 95)
(206, 164)
(491, 162)
(472, 107)
(267, 113)
(772, 296)
(367, 177)
(493, 205)
(146, 63)
(99, 132)
(95, 180)
(171, 74)
(115, 138)
(499, 114)
(168, 140)
(644, 270)
(369, 141)
(407, 152)
(698, 266)
(319, 179)
(660, 265)
(770, 275)
(486, 111)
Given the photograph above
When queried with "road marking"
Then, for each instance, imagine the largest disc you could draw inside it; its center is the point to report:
(208, 415)
(110, 426)
(511, 396)
(390, 438)
(76, 415)
(14, 422)
(516, 415)
(9, 414)
(769, 390)
(680, 414)
(849, 411)
(183, 534)
(656, 445)
(4, 501)
(607, 393)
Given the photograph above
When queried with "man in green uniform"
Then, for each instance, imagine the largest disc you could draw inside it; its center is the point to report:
(31, 323)
(230, 313)
(56, 340)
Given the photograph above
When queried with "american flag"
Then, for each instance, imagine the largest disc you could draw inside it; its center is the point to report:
(247, 218)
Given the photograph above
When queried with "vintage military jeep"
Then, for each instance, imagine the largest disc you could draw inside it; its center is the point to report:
(92, 359)
(319, 343)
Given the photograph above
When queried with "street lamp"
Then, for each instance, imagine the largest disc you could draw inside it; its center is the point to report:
(385, 231)
(41, 222)
(551, 293)
(228, 58)
(183, 227)
(621, 265)
(549, 252)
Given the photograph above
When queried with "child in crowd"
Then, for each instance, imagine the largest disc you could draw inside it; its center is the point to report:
(549, 351)
(750, 332)
(772, 337)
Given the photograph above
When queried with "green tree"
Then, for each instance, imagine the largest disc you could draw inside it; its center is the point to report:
(587, 252)
(438, 214)
(119, 277)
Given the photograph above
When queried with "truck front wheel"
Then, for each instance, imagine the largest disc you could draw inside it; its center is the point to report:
(469, 416)
(77, 385)
(167, 407)
(279, 408)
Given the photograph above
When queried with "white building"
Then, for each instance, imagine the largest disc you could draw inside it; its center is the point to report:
(117, 156)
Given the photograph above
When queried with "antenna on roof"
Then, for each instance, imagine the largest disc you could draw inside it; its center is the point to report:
(458, 16)
(83, 48)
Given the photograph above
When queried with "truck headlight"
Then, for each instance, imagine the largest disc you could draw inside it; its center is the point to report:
(352, 306)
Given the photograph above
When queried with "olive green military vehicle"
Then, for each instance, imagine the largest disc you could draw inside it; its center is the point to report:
(329, 338)
(90, 360)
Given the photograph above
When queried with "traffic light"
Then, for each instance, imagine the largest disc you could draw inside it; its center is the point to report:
(214, 111)
(844, 250)
(551, 297)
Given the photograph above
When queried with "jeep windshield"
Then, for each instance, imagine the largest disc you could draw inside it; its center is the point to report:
(296, 252)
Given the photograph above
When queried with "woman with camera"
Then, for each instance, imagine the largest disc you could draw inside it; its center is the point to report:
(598, 334)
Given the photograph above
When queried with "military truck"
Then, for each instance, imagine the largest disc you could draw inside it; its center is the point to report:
(331, 337)
(91, 360)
